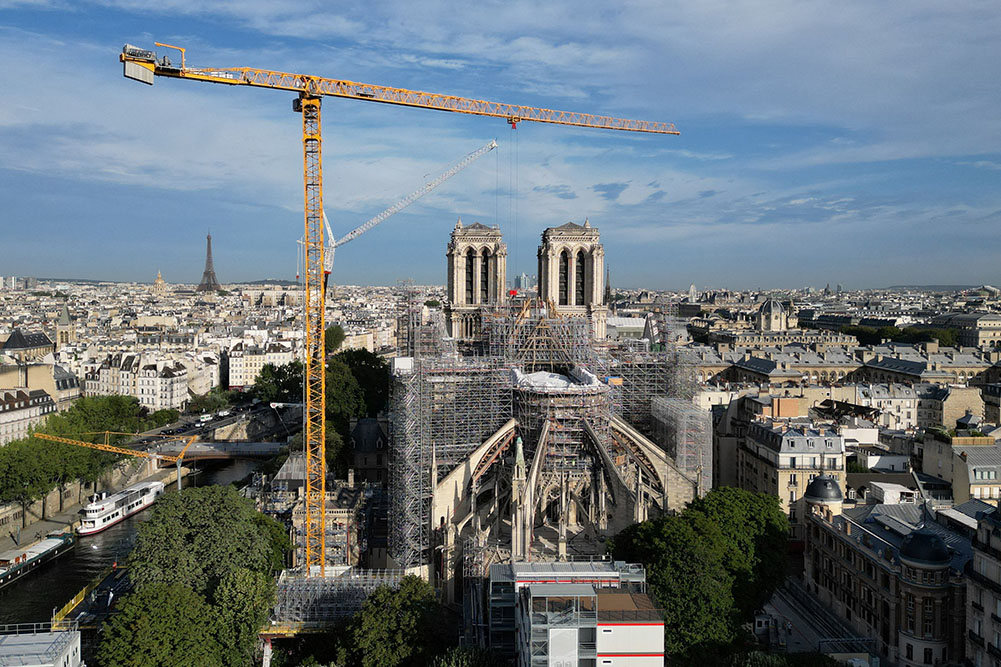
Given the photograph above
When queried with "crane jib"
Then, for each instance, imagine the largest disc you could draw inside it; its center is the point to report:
(320, 86)
(143, 65)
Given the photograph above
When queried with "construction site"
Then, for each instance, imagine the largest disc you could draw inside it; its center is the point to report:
(539, 448)
(523, 436)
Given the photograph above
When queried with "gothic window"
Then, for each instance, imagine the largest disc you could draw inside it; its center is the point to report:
(564, 277)
(579, 279)
(470, 255)
(485, 277)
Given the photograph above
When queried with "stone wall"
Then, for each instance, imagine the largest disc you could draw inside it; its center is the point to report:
(127, 472)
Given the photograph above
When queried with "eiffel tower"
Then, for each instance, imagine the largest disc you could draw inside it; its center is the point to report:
(209, 282)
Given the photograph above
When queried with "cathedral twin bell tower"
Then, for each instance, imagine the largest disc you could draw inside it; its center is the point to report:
(477, 277)
(571, 275)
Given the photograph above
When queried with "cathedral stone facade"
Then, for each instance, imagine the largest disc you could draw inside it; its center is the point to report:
(477, 277)
(571, 273)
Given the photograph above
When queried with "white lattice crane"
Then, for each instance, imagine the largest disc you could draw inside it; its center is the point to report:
(333, 242)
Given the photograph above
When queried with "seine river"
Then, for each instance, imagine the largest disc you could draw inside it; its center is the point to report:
(34, 598)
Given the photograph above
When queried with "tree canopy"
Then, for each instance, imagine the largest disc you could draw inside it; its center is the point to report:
(197, 537)
(876, 335)
(345, 398)
(332, 338)
(213, 400)
(279, 383)
(685, 560)
(372, 374)
(30, 467)
(160, 625)
(395, 627)
(756, 531)
(709, 567)
(206, 549)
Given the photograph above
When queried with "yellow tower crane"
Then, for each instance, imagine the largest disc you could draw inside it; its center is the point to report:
(106, 446)
(144, 65)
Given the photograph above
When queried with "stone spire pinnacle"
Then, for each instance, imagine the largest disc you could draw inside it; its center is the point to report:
(64, 315)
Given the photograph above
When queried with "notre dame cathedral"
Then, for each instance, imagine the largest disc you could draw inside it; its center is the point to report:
(521, 433)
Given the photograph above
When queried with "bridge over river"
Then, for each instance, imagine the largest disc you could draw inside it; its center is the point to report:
(206, 451)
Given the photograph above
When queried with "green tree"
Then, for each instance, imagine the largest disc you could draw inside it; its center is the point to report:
(242, 602)
(865, 335)
(855, 466)
(685, 560)
(332, 338)
(336, 454)
(160, 624)
(197, 537)
(432, 303)
(395, 627)
(372, 374)
(756, 532)
(30, 467)
(279, 383)
(211, 401)
(25, 475)
(345, 398)
(461, 656)
(163, 417)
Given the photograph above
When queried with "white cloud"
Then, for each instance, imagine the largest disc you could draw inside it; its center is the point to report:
(819, 88)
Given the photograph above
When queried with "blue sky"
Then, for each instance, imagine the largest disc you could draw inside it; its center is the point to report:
(843, 142)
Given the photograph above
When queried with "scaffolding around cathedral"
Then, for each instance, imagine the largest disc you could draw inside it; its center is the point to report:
(318, 602)
(684, 431)
(443, 409)
(534, 338)
(543, 398)
(638, 375)
(445, 405)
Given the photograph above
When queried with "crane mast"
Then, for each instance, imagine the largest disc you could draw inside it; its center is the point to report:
(144, 65)
(314, 373)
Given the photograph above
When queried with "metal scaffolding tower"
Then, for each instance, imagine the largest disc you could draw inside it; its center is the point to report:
(318, 602)
(637, 376)
(442, 409)
(535, 338)
(684, 431)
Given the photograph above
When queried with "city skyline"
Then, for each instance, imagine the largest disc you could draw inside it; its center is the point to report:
(830, 146)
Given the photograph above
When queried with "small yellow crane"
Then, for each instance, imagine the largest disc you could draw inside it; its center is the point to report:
(106, 446)
(144, 65)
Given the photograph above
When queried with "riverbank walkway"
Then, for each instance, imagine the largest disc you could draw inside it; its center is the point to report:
(92, 605)
(68, 519)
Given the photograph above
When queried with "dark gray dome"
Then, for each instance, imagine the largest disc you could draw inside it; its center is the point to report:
(923, 547)
(823, 489)
(771, 306)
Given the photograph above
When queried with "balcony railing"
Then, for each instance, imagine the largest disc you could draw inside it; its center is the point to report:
(976, 639)
(568, 617)
(631, 615)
